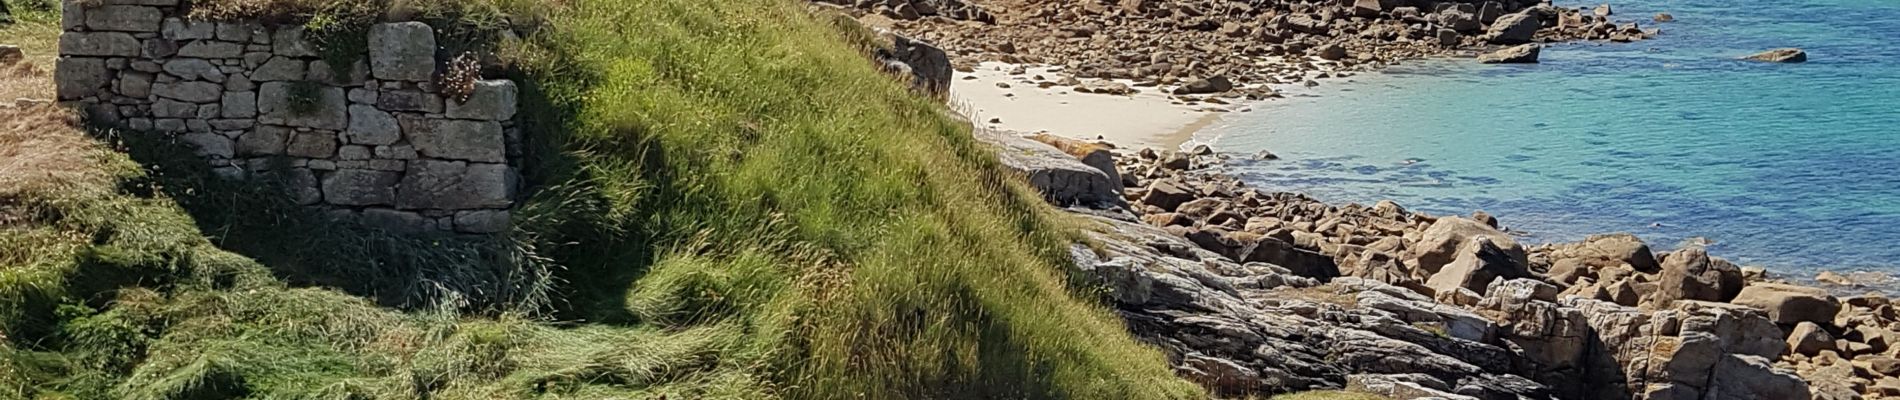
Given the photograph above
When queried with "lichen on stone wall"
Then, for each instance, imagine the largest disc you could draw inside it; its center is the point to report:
(359, 114)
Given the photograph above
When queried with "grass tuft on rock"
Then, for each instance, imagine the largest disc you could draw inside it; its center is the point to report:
(727, 201)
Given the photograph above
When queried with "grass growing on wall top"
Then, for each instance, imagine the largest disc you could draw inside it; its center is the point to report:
(738, 206)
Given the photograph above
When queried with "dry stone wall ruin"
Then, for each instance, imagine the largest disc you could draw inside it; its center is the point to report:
(377, 140)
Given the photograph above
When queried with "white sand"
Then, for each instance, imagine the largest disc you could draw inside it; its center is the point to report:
(1146, 119)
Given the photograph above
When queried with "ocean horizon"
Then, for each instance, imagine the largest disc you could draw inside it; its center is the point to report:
(1786, 166)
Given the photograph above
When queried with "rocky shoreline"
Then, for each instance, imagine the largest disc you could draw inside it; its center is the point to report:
(1253, 292)
(1199, 50)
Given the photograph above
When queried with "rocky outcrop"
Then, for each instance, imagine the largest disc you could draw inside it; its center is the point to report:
(1787, 55)
(1452, 307)
(1061, 178)
(927, 66)
(1520, 54)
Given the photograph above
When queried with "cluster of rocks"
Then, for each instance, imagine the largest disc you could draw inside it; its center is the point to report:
(1257, 292)
(1250, 43)
(376, 139)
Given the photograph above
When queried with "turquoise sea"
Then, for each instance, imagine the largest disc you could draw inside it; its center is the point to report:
(1787, 166)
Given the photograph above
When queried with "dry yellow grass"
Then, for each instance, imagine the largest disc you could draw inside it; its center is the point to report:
(37, 34)
(42, 150)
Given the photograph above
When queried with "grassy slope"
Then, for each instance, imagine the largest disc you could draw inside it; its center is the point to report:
(741, 205)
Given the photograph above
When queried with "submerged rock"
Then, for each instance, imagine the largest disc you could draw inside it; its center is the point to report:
(1521, 54)
(1787, 55)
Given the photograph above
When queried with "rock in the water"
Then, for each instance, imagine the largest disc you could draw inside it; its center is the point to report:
(1787, 55)
(1790, 304)
(1520, 54)
(1664, 17)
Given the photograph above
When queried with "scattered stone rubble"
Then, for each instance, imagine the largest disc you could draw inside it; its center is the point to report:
(1188, 43)
(377, 139)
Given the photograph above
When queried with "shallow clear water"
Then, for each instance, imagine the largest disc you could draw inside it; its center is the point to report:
(1789, 166)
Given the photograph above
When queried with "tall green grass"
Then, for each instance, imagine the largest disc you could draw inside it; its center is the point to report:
(729, 201)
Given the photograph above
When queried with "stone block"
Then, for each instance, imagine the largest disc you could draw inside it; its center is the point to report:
(209, 111)
(158, 48)
(353, 152)
(239, 83)
(235, 32)
(303, 185)
(104, 44)
(233, 127)
(330, 111)
(289, 41)
(124, 18)
(195, 92)
(362, 96)
(409, 100)
(239, 105)
(168, 125)
(168, 108)
(211, 49)
(192, 69)
(396, 152)
(402, 51)
(208, 144)
(492, 100)
(359, 187)
(279, 69)
(312, 145)
(370, 126)
(72, 17)
(77, 78)
(135, 84)
(478, 141)
(455, 185)
(397, 221)
(179, 29)
(481, 221)
(353, 76)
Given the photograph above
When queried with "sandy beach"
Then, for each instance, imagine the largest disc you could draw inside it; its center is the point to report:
(1146, 119)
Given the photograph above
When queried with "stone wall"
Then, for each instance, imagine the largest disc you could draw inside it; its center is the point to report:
(377, 139)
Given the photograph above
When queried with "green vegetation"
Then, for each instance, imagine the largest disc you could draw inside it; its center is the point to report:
(728, 201)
